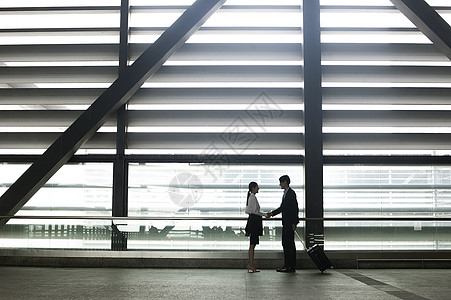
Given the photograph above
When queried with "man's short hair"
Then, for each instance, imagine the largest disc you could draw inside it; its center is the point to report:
(285, 178)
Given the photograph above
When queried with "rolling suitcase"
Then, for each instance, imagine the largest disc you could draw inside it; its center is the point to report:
(318, 256)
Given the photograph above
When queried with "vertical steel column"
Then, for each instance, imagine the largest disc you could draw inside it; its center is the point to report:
(313, 159)
(120, 168)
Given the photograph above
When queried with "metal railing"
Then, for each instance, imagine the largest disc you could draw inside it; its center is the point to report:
(219, 218)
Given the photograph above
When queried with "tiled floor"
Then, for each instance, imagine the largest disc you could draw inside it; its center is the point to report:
(110, 283)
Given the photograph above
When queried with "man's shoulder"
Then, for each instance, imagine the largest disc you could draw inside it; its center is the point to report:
(291, 193)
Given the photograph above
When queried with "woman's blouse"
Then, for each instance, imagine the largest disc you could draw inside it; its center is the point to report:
(253, 207)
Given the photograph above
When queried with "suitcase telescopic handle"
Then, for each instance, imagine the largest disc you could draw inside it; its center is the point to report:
(299, 237)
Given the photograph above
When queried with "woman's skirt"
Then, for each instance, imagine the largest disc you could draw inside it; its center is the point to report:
(254, 225)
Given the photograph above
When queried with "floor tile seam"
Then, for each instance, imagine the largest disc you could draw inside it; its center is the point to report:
(382, 286)
(402, 287)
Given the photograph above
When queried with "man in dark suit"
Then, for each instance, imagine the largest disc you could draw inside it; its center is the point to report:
(290, 210)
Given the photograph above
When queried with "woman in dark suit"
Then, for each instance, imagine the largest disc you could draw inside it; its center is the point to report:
(254, 226)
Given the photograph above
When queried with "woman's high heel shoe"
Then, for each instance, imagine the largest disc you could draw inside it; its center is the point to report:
(252, 269)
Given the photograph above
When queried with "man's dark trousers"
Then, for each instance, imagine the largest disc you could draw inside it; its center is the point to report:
(289, 248)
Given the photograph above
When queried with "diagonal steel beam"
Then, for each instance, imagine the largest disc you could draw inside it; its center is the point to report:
(428, 21)
(111, 99)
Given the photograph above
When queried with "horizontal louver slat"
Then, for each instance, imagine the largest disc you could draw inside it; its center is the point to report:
(48, 98)
(235, 142)
(387, 74)
(189, 52)
(19, 140)
(380, 52)
(59, 19)
(58, 53)
(66, 97)
(20, 75)
(412, 141)
(230, 52)
(228, 74)
(215, 118)
(219, 96)
(404, 118)
(387, 96)
(42, 118)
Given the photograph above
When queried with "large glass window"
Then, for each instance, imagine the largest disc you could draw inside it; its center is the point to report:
(76, 190)
(411, 192)
(212, 194)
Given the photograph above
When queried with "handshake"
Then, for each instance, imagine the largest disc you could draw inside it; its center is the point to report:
(268, 215)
